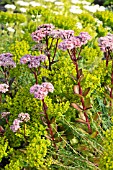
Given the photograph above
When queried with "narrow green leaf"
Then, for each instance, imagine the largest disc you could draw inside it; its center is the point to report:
(76, 106)
(86, 91)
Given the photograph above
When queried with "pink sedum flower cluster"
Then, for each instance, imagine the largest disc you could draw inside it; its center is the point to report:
(106, 43)
(4, 114)
(4, 88)
(16, 125)
(66, 34)
(6, 60)
(22, 117)
(41, 32)
(74, 41)
(41, 91)
(33, 61)
(49, 30)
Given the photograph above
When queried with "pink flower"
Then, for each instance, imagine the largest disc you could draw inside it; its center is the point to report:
(16, 125)
(4, 114)
(67, 34)
(85, 37)
(56, 34)
(33, 61)
(6, 60)
(25, 59)
(48, 86)
(66, 44)
(24, 117)
(41, 32)
(41, 91)
(106, 43)
(4, 88)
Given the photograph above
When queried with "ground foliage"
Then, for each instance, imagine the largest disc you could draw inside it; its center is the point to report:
(73, 147)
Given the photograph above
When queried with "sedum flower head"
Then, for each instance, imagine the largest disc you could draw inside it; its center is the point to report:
(56, 34)
(85, 37)
(67, 34)
(33, 61)
(4, 88)
(66, 45)
(106, 43)
(41, 32)
(74, 41)
(16, 125)
(41, 91)
(6, 60)
(4, 114)
(48, 86)
(24, 117)
(25, 59)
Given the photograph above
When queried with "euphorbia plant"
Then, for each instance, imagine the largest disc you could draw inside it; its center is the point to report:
(74, 44)
(106, 45)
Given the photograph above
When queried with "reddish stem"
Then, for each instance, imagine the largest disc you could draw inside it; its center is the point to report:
(48, 123)
(107, 58)
(111, 85)
(34, 72)
(74, 59)
(55, 50)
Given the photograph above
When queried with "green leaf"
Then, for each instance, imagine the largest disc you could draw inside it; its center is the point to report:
(87, 103)
(79, 72)
(77, 107)
(86, 91)
(76, 91)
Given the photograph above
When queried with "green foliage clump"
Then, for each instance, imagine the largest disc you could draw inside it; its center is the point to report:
(7, 17)
(101, 31)
(35, 10)
(91, 57)
(19, 49)
(32, 156)
(87, 18)
(23, 102)
(61, 78)
(56, 109)
(106, 161)
(3, 147)
(106, 17)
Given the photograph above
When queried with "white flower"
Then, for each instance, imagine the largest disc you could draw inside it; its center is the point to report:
(75, 1)
(79, 25)
(98, 21)
(22, 32)
(101, 8)
(33, 3)
(22, 3)
(75, 7)
(85, 2)
(55, 12)
(90, 8)
(10, 29)
(49, 0)
(39, 16)
(59, 3)
(22, 9)
(9, 6)
(75, 10)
